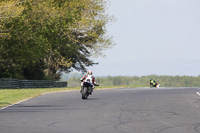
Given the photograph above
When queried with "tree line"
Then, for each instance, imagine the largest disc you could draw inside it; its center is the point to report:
(41, 39)
(164, 81)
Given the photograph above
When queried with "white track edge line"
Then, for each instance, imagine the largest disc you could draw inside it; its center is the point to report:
(198, 93)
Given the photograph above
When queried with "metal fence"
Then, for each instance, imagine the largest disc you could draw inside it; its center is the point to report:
(14, 83)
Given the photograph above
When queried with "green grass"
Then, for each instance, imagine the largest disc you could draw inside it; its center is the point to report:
(12, 96)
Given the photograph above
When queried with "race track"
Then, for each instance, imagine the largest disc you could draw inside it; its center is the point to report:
(121, 110)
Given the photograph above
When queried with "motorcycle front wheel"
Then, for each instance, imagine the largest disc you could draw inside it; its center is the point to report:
(84, 93)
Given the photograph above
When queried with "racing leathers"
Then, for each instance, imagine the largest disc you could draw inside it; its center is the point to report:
(88, 78)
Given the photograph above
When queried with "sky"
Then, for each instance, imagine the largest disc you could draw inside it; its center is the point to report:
(160, 37)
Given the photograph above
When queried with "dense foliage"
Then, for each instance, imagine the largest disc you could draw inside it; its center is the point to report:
(164, 81)
(40, 39)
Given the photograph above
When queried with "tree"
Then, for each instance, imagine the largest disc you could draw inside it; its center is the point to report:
(8, 9)
(55, 35)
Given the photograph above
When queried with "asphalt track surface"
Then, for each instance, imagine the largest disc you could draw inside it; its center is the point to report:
(122, 110)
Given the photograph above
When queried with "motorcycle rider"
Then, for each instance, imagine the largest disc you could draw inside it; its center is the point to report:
(90, 78)
(152, 83)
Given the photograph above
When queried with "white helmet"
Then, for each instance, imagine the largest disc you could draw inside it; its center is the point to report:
(89, 72)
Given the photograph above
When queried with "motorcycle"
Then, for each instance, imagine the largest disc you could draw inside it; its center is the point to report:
(154, 84)
(87, 89)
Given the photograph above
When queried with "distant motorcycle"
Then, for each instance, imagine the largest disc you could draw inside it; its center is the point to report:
(87, 89)
(154, 84)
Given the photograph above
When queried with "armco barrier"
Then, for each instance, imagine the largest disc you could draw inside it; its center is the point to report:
(9, 83)
(13, 83)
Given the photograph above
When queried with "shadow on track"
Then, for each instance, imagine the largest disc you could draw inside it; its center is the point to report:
(93, 99)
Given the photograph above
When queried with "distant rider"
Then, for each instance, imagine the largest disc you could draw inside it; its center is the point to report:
(88, 78)
(152, 83)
